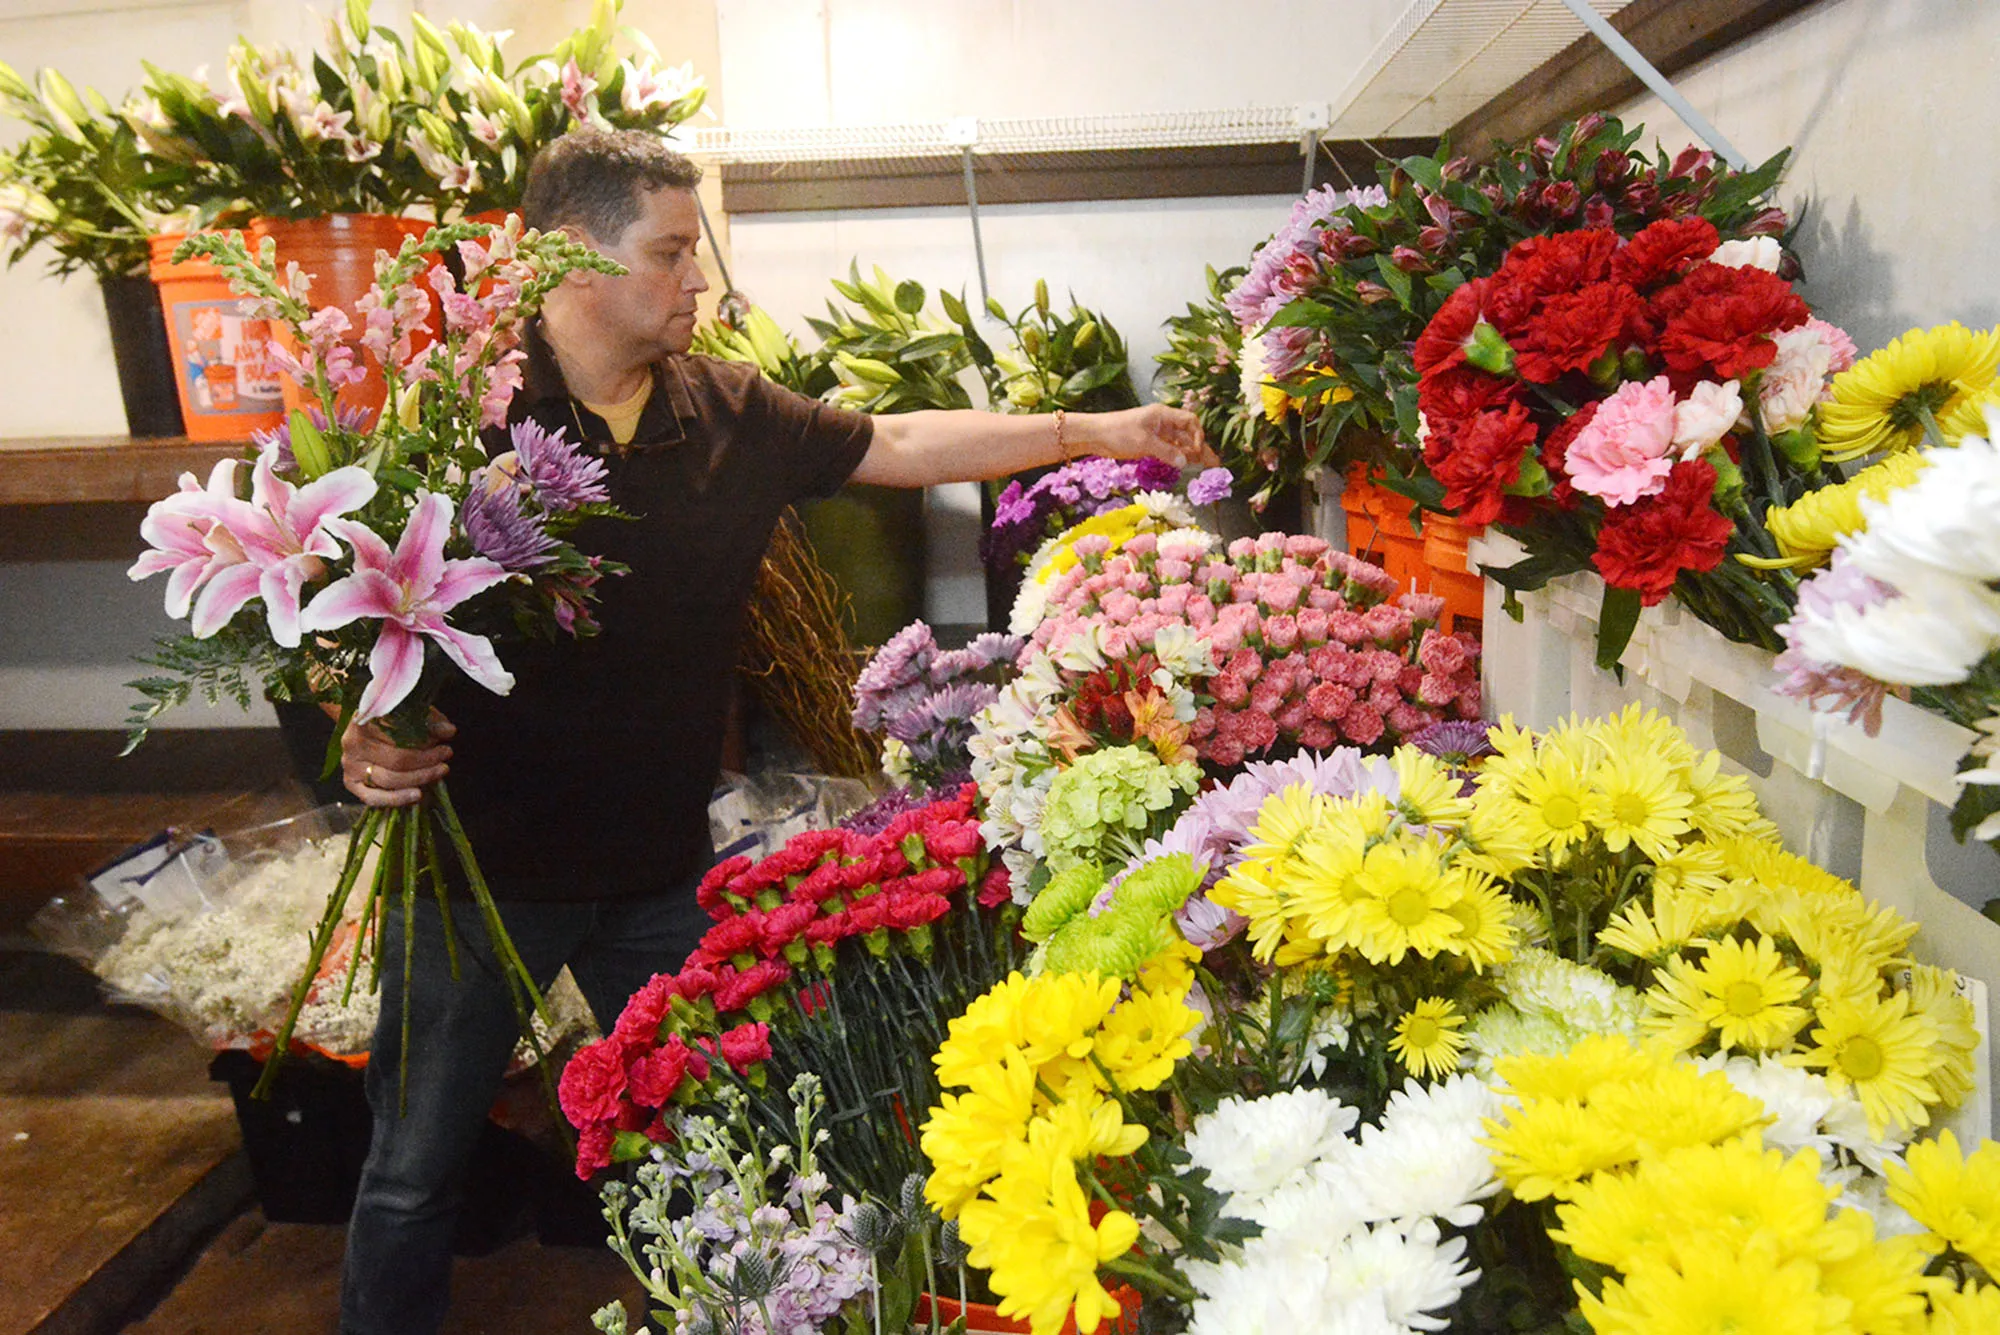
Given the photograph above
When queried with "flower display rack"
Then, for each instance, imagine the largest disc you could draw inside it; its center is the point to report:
(1871, 809)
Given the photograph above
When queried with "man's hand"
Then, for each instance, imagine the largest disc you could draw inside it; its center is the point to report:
(1172, 434)
(383, 774)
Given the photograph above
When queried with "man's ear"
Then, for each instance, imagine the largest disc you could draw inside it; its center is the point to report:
(576, 233)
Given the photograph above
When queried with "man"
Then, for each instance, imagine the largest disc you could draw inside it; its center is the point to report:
(585, 791)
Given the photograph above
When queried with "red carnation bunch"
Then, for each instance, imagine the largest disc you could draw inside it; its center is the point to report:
(1618, 403)
(778, 926)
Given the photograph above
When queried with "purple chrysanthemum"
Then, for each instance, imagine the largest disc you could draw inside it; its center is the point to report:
(500, 529)
(1457, 742)
(559, 475)
(1024, 517)
(888, 676)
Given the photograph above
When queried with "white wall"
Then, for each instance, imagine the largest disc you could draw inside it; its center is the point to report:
(1890, 107)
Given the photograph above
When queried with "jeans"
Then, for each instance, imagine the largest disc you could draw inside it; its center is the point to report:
(462, 1032)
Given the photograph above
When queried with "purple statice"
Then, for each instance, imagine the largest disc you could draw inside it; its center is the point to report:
(1210, 486)
(1288, 262)
(893, 679)
(1832, 688)
(559, 475)
(1025, 517)
(345, 417)
(501, 529)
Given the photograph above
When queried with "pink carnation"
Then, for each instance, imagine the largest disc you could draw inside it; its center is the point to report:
(1625, 451)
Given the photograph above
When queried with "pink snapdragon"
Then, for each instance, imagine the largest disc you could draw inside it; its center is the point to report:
(409, 590)
(1626, 451)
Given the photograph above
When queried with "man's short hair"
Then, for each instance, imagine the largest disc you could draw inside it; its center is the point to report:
(593, 179)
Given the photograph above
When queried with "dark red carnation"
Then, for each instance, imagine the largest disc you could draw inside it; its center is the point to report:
(736, 989)
(592, 1084)
(1646, 544)
(1664, 250)
(831, 930)
(640, 1021)
(593, 1149)
(1574, 329)
(746, 1045)
(654, 1078)
(1481, 461)
(908, 910)
(1718, 322)
(1555, 455)
(948, 842)
(1449, 397)
(784, 925)
(1442, 344)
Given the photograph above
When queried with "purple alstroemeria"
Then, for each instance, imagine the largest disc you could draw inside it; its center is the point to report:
(282, 531)
(187, 538)
(410, 590)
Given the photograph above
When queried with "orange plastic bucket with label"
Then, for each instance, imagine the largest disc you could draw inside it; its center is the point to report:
(226, 387)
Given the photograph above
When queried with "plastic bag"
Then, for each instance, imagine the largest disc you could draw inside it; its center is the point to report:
(753, 815)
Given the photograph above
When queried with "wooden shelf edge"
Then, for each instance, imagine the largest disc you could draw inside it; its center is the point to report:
(57, 470)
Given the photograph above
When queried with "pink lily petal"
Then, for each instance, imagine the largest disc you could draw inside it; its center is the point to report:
(370, 552)
(461, 579)
(181, 586)
(394, 666)
(420, 555)
(342, 490)
(365, 593)
(473, 653)
(221, 598)
(279, 586)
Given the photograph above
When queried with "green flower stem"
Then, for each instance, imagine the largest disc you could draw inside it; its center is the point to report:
(368, 934)
(407, 873)
(1160, 1280)
(329, 922)
(442, 895)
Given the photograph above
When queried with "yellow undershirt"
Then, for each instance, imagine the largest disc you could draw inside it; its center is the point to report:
(623, 418)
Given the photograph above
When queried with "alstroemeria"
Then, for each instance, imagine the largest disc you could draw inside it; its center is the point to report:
(182, 531)
(410, 589)
(283, 535)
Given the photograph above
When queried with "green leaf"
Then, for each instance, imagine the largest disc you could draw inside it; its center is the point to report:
(1617, 617)
(1397, 281)
(931, 345)
(1426, 172)
(1304, 313)
(309, 447)
(1535, 571)
(1091, 377)
(954, 308)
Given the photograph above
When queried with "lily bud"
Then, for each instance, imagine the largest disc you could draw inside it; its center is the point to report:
(1488, 351)
(12, 85)
(1042, 295)
(65, 108)
(358, 21)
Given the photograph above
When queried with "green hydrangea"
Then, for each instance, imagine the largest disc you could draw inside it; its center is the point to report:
(1109, 801)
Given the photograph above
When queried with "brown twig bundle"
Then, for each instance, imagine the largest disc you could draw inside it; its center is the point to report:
(799, 657)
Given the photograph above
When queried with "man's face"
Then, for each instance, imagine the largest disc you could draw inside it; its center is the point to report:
(651, 308)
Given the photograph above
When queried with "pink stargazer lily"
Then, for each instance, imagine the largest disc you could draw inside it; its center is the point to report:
(283, 535)
(410, 590)
(188, 539)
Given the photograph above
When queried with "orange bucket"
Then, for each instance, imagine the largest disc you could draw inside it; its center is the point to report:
(226, 389)
(1464, 593)
(984, 1319)
(338, 251)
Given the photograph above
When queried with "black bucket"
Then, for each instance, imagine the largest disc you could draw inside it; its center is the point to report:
(145, 364)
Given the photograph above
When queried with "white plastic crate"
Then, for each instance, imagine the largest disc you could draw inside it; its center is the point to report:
(1872, 809)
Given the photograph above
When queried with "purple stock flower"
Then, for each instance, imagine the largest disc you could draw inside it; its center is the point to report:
(1024, 517)
(500, 529)
(560, 476)
(1212, 485)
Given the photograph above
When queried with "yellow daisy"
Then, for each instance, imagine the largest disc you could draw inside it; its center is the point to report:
(1636, 802)
(1956, 1197)
(1284, 819)
(1742, 991)
(1251, 889)
(1403, 904)
(1676, 919)
(1934, 995)
(1882, 401)
(1968, 416)
(1596, 1062)
(1616, 1219)
(1880, 1051)
(1697, 867)
(1716, 1287)
(1514, 752)
(1496, 842)
(1429, 792)
(1736, 1190)
(1487, 934)
(1723, 805)
(1320, 886)
(1553, 802)
(1637, 728)
(1677, 1104)
(1972, 1310)
(1883, 1278)
(1427, 1040)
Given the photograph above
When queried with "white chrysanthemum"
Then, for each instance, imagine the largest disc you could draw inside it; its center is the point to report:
(1417, 1276)
(1308, 1214)
(1251, 1147)
(1166, 511)
(1425, 1159)
(1187, 544)
(1279, 1296)
(1501, 1031)
(1250, 377)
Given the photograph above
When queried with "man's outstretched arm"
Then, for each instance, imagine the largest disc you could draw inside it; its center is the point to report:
(924, 449)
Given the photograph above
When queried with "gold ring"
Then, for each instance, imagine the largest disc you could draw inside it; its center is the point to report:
(368, 776)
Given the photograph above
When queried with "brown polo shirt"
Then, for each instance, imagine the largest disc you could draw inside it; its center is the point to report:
(591, 779)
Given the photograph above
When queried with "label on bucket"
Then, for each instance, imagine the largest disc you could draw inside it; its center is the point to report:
(224, 358)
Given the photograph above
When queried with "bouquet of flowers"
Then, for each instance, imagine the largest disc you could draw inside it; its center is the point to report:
(1623, 404)
(925, 698)
(1330, 305)
(1203, 370)
(1026, 517)
(369, 560)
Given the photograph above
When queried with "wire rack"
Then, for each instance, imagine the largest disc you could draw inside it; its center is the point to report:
(1441, 61)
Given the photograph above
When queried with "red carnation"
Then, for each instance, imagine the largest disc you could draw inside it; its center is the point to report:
(593, 1149)
(830, 930)
(820, 883)
(784, 924)
(1481, 461)
(591, 1085)
(734, 990)
(1442, 344)
(694, 982)
(709, 893)
(997, 888)
(640, 1020)
(731, 937)
(1664, 250)
(1543, 266)
(1449, 397)
(950, 842)
(655, 1077)
(1555, 455)
(1646, 544)
(869, 914)
(1574, 329)
(746, 1045)
(1718, 321)
(906, 911)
